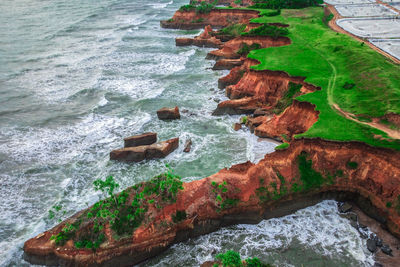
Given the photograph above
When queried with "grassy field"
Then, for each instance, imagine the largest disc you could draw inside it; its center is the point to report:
(350, 74)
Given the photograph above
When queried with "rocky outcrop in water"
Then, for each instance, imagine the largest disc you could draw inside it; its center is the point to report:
(140, 140)
(143, 152)
(168, 113)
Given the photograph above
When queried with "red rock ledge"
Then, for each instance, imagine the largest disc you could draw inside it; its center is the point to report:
(271, 188)
(217, 18)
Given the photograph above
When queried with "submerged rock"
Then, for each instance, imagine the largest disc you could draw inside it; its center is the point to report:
(387, 250)
(139, 153)
(168, 113)
(245, 105)
(188, 146)
(346, 207)
(140, 140)
(237, 126)
(371, 245)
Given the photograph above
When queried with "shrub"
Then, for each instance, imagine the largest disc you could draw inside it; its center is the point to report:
(205, 8)
(282, 146)
(352, 165)
(348, 85)
(179, 216)
(272, 13)
(267, 30)
(230, 258)
(287, 4)
(187, 8)
(308, 175)
(234, 29)
(245, 48)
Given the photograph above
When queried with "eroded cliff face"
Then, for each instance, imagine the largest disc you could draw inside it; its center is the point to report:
(268, 86)
(205, 39)
(296, 119)
(230, 48)
(236, 73)
(229, 2)
(217, 18)
(310, 170)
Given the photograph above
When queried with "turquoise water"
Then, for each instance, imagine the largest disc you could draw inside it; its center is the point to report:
(78, 76)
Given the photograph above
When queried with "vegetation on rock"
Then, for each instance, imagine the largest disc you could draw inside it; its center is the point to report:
(282, 146)
(200, 7)
(245, 48)
(232, 259)
(122, 212)
(223, 196)
(287, 4)
(267, 30)
(233, 30)
(287, 99)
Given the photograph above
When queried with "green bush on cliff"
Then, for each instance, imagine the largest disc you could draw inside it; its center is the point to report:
(271, 13)
(352, 165)
(234, 29)
(232, 258)
(222, 199)
(122, 215)
(267, 30)
(285, 4)
(245, 48)
(282, 146)
(309, 177)
(179, 216)
(200, 7)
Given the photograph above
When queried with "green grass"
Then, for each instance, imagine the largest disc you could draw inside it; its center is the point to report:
(331, 61)
(282, 146)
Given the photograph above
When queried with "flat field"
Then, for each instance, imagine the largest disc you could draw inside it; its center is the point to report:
(331, 61)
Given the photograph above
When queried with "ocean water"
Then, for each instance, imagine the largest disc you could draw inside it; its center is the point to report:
(78, 76)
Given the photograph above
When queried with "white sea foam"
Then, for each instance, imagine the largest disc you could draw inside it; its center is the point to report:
(69, 141)
(316, 230)
(160, 5)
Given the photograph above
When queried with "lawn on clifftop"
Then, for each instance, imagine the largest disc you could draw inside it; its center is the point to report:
(352, 75)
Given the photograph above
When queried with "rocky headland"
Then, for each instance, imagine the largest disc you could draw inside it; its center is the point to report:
(301, 173)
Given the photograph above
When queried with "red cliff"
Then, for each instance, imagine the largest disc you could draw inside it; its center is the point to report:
(307, 172)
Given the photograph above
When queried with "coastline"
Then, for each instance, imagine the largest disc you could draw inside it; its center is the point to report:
(253, 211)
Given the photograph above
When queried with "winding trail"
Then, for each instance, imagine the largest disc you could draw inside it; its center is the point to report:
(332, 81)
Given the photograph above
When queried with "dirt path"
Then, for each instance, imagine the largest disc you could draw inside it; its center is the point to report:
(390, 132)
(332, 24)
